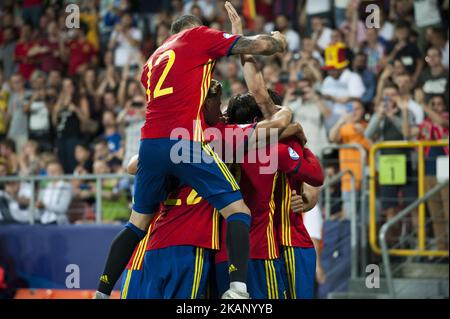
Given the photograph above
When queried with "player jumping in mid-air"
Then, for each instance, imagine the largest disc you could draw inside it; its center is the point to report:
(177, 78)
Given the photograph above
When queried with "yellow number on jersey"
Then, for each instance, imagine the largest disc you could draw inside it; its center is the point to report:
(158, 91)
(192, 199)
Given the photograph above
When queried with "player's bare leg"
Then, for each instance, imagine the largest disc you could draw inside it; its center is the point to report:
(238, 219)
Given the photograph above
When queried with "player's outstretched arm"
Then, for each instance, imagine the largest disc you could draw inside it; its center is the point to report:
(253, 77)
(261, 44)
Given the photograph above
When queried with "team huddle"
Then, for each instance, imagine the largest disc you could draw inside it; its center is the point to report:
(209, 226)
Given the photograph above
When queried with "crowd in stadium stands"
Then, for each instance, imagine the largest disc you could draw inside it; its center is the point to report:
(71, 100)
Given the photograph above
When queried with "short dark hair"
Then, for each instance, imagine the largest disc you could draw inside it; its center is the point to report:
(243, 109)
(9, 143)
(402, 24)
(183, 22)
(214, 89)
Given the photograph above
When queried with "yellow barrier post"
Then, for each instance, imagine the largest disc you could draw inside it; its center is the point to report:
(421, 249)
(421, 192)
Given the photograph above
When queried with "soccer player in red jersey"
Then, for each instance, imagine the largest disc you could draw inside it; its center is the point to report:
(177, 78)
(265, 280)
(258, 185)
(297, 248)
(185, 232)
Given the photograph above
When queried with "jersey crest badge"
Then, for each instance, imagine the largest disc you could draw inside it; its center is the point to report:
(293, 154)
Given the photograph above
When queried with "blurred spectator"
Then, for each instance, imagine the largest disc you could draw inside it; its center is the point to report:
(206, 7)
(259, 25)
(435, 127)
(350, 130)
(340, 11)
(4, 96)
(131, 118)
(341, 85)
(404, 84)
(309, 51)
(354, 30)
(11, 209)
(101, 150)
(17, 116)
(37, 108)
(409, 54)
(434, 79)
(292, 37)
(387, 30)
(125, 41)
(89, 17)
(114, 200)
(29, 163)
(23, 54)
(310, 110)
(68, 116)
(88, 89)
(4, 171)
(31, 11)
(7, 51)
(369, 79)
(437, 38)
(321, 34)
(110, 102)
(313, 221)
(8, 153)
(83, 158)
(320, 9)
(54, 199)
(426, 14)
(111, 134)
(394, 122)
(162, 33)
(51, 49)
(82, 53)
(375, 51)
(108, 85)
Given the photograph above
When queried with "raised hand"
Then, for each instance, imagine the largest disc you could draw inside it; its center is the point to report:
(235, 19)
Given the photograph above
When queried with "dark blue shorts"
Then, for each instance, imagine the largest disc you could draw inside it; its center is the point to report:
(131, 284)
(264, 279)
(177, 272)
(192, 163)
(299, 271)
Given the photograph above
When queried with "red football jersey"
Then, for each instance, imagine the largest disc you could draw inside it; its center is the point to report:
(258, 189)
(188, 219)
(177, 77)
(291, 230)
(185, 219)
(228, 140)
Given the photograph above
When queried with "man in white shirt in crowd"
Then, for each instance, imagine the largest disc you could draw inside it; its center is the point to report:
(292, 37)
(341, 85)
(403, 81)
(12, 208)
(125, 41)
(54, 199)
(321, 33)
